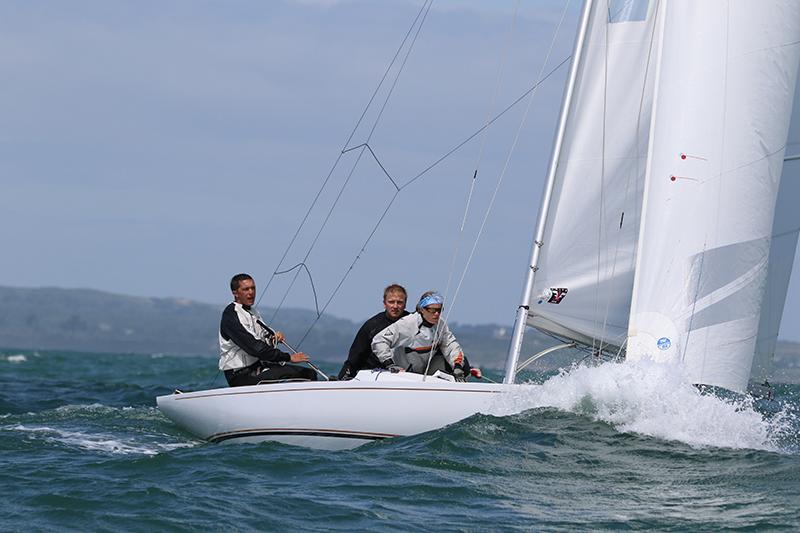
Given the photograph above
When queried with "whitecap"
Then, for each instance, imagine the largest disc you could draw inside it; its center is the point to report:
(652, 399)
(98, 442)
(16, 358)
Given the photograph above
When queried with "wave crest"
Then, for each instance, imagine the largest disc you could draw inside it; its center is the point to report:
(654, 399)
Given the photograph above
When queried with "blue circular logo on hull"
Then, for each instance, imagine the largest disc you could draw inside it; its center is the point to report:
(663, 343)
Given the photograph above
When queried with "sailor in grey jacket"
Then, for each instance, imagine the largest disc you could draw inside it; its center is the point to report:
(408, 342)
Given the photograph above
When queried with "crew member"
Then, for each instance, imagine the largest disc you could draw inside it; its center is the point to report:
(360, 356)
(248, 352)
(407, 344)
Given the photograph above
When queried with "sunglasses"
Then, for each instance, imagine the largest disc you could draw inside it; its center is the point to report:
(433, 310)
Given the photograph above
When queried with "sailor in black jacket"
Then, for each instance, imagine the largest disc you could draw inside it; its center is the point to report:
(248, 352)
(360, 356)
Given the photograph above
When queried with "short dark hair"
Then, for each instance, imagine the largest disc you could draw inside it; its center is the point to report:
(238, 278)
(394, 287)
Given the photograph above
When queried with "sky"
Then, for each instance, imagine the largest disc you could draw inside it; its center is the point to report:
(157, 148)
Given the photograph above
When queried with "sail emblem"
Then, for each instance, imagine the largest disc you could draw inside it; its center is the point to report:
(557, 294)
(663, 343)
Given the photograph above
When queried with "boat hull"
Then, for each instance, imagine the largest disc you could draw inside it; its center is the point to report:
(329, 415)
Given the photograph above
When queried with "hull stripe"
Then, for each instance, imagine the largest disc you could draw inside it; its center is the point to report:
(304, 432)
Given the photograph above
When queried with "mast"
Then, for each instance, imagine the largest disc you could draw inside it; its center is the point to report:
(524, 306)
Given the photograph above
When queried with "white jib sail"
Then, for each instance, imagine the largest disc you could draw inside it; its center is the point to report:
(585, 269)
(723, 99)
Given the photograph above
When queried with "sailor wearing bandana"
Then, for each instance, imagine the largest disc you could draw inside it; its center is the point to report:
(407, 344)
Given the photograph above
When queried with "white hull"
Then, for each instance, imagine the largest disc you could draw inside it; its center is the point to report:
(330, 415)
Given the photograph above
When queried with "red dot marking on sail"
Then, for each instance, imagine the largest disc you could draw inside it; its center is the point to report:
(673, 178)
(685, 156)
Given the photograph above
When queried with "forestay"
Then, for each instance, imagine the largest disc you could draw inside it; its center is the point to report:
(726, 80)
(584, 279)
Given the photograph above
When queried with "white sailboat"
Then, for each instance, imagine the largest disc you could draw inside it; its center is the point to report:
(654, 235)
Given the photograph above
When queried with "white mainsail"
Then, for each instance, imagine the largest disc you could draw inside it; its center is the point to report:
(723, 98)
(584, 275)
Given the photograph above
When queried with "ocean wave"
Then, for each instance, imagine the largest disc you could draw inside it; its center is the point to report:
(16, 358)
(97, 442)
(105, 411)
(654, 399)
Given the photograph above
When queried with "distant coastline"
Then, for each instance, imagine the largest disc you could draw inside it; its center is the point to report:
(94, 321)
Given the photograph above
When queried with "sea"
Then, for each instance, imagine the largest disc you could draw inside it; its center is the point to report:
(592, 448)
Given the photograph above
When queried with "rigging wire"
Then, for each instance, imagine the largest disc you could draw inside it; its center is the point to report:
(508, 160)
(421, 174)
(484, 139)
(451, 305)
(426, 7)
(366, 147)
(479, 130)
(350, 268)
(347, 142)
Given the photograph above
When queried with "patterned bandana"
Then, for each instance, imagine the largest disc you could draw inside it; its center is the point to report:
(431, 299)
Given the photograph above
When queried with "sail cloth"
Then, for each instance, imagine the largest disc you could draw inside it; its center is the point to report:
(782, 249)
(583, 284)
(726, 79)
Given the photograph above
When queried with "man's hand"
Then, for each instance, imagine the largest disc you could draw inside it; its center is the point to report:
(279, 337)
(298, 357)
(390, 365)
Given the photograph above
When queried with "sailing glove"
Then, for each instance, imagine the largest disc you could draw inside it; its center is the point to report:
(392, 367)
(458, 373)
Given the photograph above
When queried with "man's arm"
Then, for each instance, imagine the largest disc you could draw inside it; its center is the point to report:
(384, 342)
(232, 328)
(360, 355)
(361, 346)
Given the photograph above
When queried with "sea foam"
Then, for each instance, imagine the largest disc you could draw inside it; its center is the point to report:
(97, 442)
(653, 399)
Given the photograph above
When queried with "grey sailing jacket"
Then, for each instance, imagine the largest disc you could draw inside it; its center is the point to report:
(409, 341)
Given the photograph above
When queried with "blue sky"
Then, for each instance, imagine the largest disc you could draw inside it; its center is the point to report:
(157, 148)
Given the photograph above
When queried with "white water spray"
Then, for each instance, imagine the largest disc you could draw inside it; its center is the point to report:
(653, 399)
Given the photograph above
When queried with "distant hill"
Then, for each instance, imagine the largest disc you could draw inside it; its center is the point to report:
(93, 321)
(87, 320)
